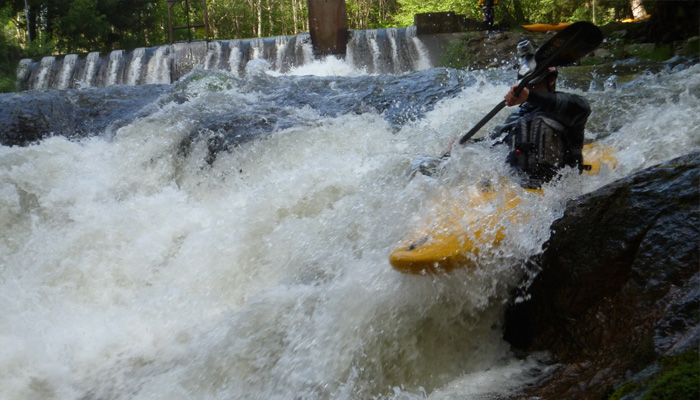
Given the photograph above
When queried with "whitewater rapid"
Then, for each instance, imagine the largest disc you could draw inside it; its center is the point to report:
(170, 258)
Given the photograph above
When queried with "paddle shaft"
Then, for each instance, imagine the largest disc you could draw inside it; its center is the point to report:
(541, 67)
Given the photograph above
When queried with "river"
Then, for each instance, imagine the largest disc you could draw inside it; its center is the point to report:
(229, 237)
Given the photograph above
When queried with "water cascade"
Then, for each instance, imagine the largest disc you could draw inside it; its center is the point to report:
(227, 236)
(43, 75)
(86, 77)
(159, 66)
(110, 76)
(393, 50)
(66, 72)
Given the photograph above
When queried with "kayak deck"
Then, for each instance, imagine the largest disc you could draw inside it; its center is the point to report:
(468, 220)
(460, 225)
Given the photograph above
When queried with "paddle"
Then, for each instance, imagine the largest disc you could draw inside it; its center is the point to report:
(566, 47)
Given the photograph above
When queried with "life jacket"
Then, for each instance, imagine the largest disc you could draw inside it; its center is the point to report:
(539, 148)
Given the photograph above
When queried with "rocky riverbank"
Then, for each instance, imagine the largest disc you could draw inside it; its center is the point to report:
(616, 303)
(479, 49)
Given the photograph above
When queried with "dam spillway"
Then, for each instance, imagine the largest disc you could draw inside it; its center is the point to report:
(381, 51)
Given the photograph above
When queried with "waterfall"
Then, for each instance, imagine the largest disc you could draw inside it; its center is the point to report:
(257, 48)
(186, 56)
(23, 70)
(66, 72)
(46, 65)
(214, 50)
(392, 33)
(422, 61)
(115, 58)
(134, 71)
(281, 43)
(303, 49)
(373, 48)
(235, 56)
(89, 70)
(392, 50)
(159, 66)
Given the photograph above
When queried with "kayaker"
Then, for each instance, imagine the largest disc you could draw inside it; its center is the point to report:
(487, 7)
(546, 133)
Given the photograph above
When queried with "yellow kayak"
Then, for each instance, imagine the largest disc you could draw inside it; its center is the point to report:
(469, 219)
(546, 27)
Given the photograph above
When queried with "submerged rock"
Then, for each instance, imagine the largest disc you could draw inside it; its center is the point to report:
(618, 289)
(28, 117)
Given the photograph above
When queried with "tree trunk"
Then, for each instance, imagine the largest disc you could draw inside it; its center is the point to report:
(511, 12)
(518, 11)
(30, 14)
(294, 16)
(269, 18)
(638, 10)
(259, 33)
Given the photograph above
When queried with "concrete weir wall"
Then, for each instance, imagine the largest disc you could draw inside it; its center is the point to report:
(380, 51)
(439, 29)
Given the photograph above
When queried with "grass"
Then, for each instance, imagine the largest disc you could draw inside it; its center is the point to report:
(678, 378)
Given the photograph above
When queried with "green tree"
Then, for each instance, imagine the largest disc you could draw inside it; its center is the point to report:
(83, 28)
(9, 50)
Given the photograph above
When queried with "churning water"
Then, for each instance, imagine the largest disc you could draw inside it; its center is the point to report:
(231, 240)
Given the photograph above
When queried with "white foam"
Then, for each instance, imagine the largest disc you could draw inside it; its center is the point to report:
(132, 272)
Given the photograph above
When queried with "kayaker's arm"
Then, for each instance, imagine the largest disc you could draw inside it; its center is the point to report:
(557, 103)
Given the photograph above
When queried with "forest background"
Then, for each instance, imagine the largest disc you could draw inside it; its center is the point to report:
(37, 28)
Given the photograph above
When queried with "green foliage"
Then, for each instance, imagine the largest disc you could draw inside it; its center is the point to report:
(659, 53)
(588, 61)
(69, 26)
(7, 83)
(40, 47)
(9, 53)
(455, 55)
(82, 28)
(89, 25)
(679, 379)
(644, 355)
(624, 390)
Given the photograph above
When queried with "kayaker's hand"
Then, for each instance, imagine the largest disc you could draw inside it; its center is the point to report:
(513, 100)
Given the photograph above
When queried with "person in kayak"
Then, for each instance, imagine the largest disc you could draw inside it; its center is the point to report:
(546, 133)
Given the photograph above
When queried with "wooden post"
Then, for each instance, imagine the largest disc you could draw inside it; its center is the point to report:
(328, 27)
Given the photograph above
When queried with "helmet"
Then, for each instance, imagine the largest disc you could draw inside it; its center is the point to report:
(526, 55)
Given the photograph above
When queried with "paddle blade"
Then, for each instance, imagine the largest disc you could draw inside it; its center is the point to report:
(570, 44)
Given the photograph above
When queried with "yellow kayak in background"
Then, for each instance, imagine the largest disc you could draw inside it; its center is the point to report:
(471, 219)
(546, 27)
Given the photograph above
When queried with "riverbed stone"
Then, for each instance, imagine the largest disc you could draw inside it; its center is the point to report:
(618, 286)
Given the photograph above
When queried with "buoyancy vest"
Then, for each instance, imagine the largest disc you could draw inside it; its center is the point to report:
(538, 146)
(540, 142)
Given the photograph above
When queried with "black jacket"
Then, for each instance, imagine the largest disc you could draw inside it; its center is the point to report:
(569, 109)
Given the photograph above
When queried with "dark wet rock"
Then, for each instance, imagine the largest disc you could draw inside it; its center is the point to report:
(618, 289)
(27, 117)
